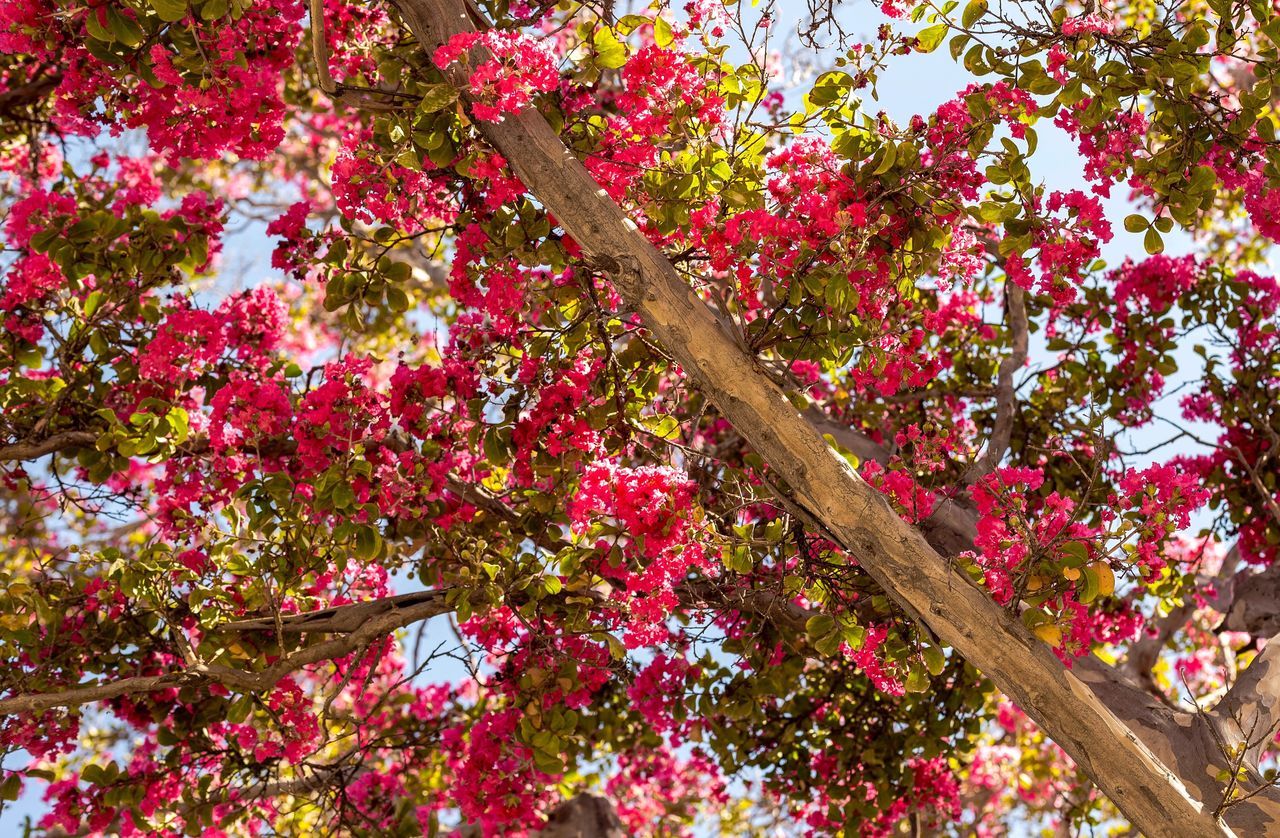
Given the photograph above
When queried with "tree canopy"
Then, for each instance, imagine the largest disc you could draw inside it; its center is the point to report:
(637, 430)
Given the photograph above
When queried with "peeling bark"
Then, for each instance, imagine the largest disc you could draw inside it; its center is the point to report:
(1255, 603)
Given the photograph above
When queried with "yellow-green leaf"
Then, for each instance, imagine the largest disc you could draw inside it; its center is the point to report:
(662, 33)
(973, 11)
(610, 52)
(437, 98)
(1153, 242)
(928, 39)
(1135, 223)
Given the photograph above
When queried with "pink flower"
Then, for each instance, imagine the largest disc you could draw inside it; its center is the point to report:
(518, 69)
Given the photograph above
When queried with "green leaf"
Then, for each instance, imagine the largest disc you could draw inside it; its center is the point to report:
(437, 97)
(11, 788)
(610, 52)
(214, 9)
(343, 496)
(934, 659)
(928, 39)
(126, 31)
(92, 302)
(827, 646)
(616, 649)
(829, 88)
(548, 763)
(1153, 242)
(397, 299)
(630, 23)
(98, 31)
(180, 423)
(739, 560)
(665, 427)
(886, 162)
(368, 543)
(1266, 129)
(1203, 179)
(1135, 223)
(170, 11)
(1077, 552)
(973, 11)
(819, 625)
(239, 710)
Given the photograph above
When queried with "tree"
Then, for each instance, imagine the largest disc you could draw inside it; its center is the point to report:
(739, 454)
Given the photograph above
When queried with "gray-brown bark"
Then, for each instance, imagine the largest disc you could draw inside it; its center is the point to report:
(892, 552)
(358, 626)
(583, 816)
(1255, 603)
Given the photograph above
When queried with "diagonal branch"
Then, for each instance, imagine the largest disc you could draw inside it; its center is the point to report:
(385, 617)
(891, 551)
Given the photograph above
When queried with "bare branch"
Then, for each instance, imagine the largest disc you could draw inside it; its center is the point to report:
(1143, 653)
(1006, 397)
(35, 449)
(383, 618)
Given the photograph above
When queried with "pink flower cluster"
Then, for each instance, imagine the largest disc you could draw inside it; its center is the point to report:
(517, 69)
(1262, 202)
(493, 779)
(1144, 293)
(653, 787)
(1066, 245)
(207, 96)
(659, 689)
(652, 508)
(1109, 148)
(1159, 500)
(189, 340)
(369, 190)
(1087, 24)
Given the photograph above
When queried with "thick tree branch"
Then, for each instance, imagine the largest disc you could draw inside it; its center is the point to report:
(584, 816)
(1251, 708)
(359, 624)
(892, 552)
(22, 95)
(103, 691)
(35, 449)
(1255, 603)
